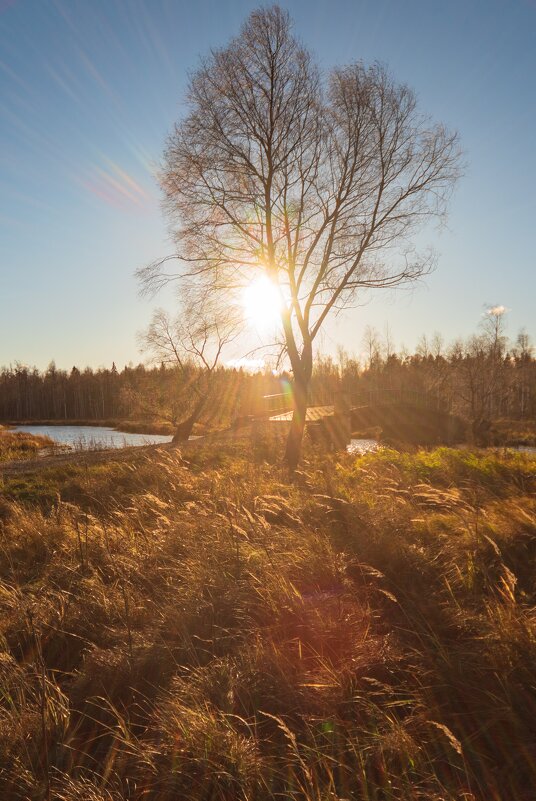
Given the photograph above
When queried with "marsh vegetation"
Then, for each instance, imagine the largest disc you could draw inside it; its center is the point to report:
(21, 445)
(205, 629)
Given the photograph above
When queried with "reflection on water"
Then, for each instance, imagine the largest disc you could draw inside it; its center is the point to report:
(93, 437)
(361, 446)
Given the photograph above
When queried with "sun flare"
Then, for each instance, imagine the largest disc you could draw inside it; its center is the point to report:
(262, 304)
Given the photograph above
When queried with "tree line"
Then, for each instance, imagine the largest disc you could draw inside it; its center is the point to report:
(139, 393)
(485, 377)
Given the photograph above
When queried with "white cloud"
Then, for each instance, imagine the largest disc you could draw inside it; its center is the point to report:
(497, 311)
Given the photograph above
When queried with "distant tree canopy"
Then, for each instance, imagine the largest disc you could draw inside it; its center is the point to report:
(159, 393)
(318, 182)
(483, 377)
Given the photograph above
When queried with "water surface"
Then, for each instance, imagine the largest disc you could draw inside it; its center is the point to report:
(361, 446)
(93, 437)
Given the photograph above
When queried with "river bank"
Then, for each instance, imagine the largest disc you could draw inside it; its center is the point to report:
(17, 446)
(128, 426)
(503, 432)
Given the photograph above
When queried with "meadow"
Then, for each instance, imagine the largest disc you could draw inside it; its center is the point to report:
(197, 626)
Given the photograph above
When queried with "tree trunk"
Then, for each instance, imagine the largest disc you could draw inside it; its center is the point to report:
(184, 429)
(297, 426)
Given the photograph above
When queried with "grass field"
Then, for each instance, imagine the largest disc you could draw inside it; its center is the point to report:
(206, 629)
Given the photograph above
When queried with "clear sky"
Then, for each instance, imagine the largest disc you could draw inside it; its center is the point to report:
(89, 90)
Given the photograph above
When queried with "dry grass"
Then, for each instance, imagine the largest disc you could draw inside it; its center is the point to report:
(514, 432)
(208, 630)
(20, 445)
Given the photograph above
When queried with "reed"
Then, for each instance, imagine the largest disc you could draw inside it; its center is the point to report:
(20, 445)
(202, 628)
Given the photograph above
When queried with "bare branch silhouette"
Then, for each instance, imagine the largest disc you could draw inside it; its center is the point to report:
(318, 182)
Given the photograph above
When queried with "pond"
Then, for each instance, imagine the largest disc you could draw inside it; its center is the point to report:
(361, 446)
(100, 437)
(93, 437)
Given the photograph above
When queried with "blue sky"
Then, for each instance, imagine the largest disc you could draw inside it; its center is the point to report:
(89, 90)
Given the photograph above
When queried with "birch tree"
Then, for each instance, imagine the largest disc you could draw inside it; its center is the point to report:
(318, 181)
(192, 343)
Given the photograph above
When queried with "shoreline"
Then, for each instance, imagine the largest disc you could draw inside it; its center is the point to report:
(125, 426)
(513, 438)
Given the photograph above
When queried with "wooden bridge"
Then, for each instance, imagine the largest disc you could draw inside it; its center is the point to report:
(281, 404)
(397, 415)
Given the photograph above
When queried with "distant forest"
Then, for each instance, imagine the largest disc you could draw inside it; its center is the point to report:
(486, 376)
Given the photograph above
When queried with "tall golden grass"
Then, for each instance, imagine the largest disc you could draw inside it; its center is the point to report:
(205, 629)
(21, 445)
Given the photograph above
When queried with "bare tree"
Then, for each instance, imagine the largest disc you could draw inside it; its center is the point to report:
(192, 342)
(523, 357)
(318, 182)
(372, 346)
(388, 343)
(480, 370)
(493, 330)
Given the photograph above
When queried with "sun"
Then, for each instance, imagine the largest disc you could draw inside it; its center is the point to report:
(262, 305)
